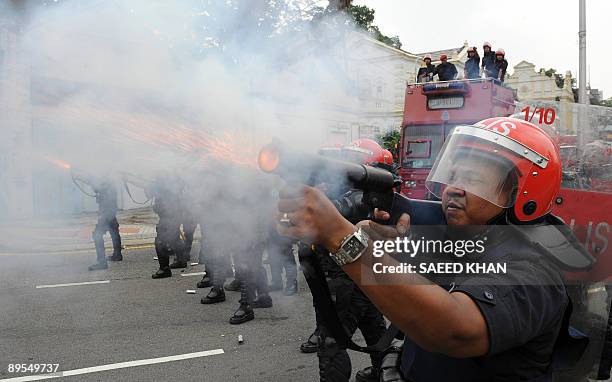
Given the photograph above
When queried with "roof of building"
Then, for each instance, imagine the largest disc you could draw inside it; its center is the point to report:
(449, 52)
(383, 45)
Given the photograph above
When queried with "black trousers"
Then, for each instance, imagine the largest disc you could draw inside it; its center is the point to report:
(106, 223)
(168, 241)
(215, 254)
(280, 255)
(189, 227)
(250, 272)
(355, 311)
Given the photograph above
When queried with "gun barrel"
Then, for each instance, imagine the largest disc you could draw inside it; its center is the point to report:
(315, 169)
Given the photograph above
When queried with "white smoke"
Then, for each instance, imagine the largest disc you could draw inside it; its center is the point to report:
(155, 87)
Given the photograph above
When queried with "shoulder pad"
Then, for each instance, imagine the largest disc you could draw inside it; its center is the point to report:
(558, 242)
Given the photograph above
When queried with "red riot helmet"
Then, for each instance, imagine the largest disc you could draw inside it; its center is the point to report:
(500, 52)
(443, 57)
(522, 163)
(387, 157)
(364, 151)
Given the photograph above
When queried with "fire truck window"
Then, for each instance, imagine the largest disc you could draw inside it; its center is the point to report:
(422, 145)
(419, 149)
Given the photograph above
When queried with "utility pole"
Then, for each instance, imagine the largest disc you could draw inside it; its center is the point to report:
(582, 70)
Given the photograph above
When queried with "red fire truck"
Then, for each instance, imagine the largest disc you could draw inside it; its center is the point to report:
(433, 109)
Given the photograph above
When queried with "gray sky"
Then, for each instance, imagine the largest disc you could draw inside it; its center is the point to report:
(543, 32)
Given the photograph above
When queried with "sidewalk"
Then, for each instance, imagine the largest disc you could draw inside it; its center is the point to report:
(137, 228)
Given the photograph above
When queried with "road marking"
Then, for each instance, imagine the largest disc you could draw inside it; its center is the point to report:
(193, 274)
(114, 366)
(72, 284)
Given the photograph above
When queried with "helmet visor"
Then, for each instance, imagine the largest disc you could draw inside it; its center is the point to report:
(480, 166)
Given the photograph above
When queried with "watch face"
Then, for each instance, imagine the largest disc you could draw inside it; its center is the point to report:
(353, 247)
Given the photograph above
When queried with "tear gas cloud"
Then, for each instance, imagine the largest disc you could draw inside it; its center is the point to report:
(187, 91)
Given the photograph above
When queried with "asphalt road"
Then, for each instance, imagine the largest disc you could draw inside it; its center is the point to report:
(133, 318)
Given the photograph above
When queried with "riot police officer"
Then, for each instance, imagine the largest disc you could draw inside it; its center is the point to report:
(488, 61)
(168, 240)
(499, 179)
(445, 70)
(501, 65)
(106, 197)
(426, 71)
(245, 212)
(472, 65)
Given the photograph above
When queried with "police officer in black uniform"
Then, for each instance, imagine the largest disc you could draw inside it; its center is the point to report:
(445, 70)
(168, 241)
(488, 61)
(426, 72)
(501, 65)
(106, 197)
(252, 228)
(500, 178)
(241, 221)
(472, 65)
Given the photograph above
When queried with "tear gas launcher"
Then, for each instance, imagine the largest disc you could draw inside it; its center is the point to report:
(376, 184)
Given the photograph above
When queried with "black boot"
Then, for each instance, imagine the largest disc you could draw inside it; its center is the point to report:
(312, 343)
(98, 266)
(205, 282)
(243, 314)
(262, 301)
(117, 256)
(162, 273)
(233, 285)
(291, 288)
(369, 374)
(216, 294)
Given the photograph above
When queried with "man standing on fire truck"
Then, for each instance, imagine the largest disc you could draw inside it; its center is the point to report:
(501, 65)
(425, 73)
(445, 70)
(491, 177)
(472, 65)
(488, 60)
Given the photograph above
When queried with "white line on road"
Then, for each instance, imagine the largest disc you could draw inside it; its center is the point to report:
(193, 274)
(113, 366)
(72, 284)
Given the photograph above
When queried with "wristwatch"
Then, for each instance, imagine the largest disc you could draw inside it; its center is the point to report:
(351, 248)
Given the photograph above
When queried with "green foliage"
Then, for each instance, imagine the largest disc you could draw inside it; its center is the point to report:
(390, 141)
(364, 18)
(559, 78)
